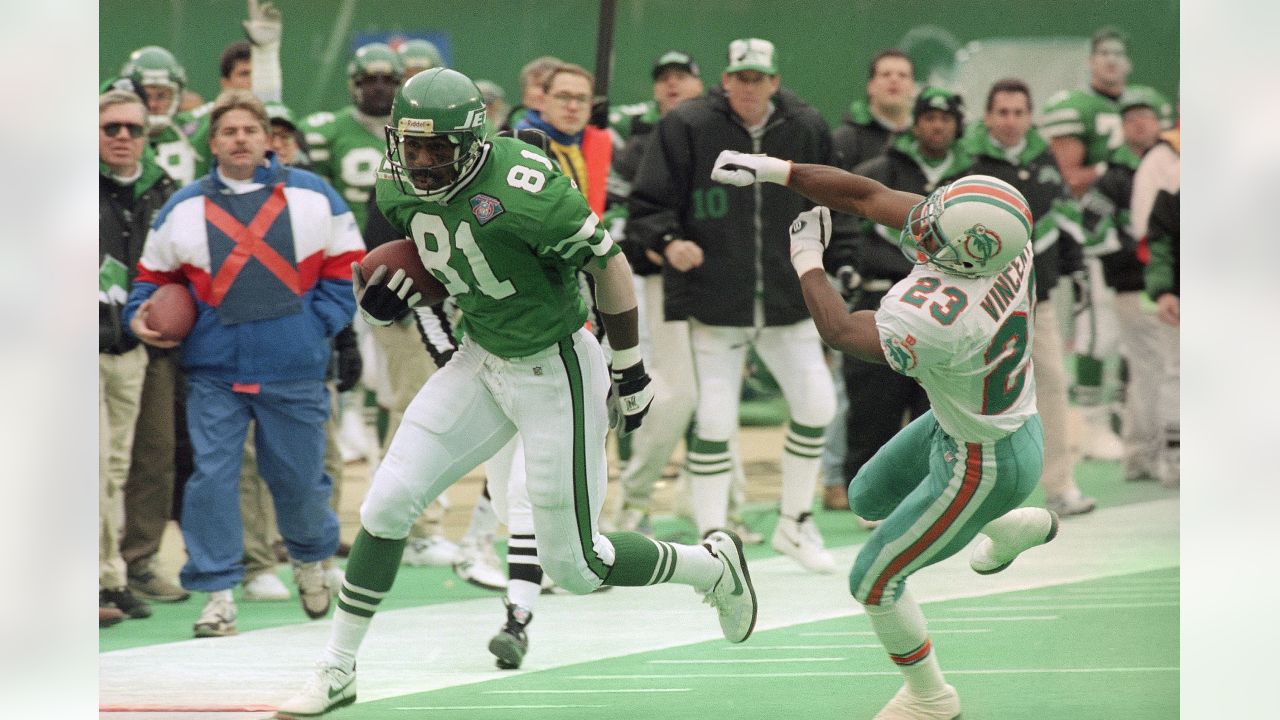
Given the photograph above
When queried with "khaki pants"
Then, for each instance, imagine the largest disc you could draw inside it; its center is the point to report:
(120, 379)
(148, 496)
(257, 512)
(1051, 398)
(407, 367)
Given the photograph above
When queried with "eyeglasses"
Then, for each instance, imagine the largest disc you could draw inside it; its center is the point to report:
(566, 98)
(112, 129)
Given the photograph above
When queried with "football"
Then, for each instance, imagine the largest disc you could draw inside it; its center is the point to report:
(173, 311)
(402, 254)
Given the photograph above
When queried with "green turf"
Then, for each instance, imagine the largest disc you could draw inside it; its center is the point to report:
(1125, 661)
(425, 586)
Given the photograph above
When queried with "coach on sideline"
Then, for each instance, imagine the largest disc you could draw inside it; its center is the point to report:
(267, 252)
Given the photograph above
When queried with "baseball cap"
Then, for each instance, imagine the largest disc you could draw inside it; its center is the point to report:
(936, 98)
(279, 112)
(676, 59)
(752, 54)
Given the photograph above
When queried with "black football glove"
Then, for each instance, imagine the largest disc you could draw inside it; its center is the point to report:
(629, 398)
(383, 301)
(346, 359)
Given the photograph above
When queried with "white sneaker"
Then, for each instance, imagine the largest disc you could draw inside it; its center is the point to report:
(313, 588)
(434, 551)
(264, 587)
(336, 577)
(733, 596)
(479, 566)
(905, 706)
(218, 618)
(1100, 442)
(329, 688)
(799, 539)
(1072, 503)
(1006, 537)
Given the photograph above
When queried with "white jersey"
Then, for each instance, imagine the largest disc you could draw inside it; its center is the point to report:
(968, 342)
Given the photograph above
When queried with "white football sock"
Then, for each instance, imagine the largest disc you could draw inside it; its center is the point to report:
(902, 632)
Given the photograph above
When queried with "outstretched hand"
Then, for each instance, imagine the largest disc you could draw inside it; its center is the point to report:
(264, 25)
(736, 168)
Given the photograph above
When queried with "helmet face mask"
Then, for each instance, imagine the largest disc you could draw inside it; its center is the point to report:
(153, 66)
(973, 227)
(373, 75)
(436, 133)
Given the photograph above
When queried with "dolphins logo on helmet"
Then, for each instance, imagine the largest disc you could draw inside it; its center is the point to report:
(973, 227)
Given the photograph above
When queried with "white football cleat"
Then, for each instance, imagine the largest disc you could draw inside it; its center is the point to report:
(1006, 537)
(906, 706)
(329, 688)
(800, 540)
(479, 566)
(733, 596)
(434, 551)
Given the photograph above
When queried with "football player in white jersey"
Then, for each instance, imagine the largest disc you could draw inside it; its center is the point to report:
(960, 324)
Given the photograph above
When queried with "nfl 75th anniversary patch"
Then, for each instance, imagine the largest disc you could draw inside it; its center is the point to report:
(485, 208)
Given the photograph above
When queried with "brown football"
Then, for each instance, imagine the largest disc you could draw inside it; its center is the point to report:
(173, 311)
(402, 254)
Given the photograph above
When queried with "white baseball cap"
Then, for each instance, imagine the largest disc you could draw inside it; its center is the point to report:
(752, 54)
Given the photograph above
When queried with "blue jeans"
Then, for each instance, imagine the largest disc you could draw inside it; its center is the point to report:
(289, 437)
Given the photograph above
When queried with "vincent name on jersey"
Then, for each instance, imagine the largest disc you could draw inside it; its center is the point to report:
(1007, 284)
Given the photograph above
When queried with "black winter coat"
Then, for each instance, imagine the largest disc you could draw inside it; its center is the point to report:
(742, 230)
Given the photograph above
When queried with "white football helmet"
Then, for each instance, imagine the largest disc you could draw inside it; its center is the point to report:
(972, 227)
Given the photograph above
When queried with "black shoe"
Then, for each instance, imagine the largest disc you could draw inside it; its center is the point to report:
(145, 584)
(124, 601)
(511, 642)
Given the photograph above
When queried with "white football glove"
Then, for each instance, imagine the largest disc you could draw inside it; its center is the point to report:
(741, 169)
(810, 234)
(264, 25)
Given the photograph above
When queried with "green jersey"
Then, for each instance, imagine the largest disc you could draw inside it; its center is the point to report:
(623, 117)
(507, 243)
(177, 156)
(1091, 117)
(195, 125)
(347, 153)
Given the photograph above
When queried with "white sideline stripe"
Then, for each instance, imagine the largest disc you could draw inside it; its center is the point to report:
(740, 648)
(1008, 618)
(603, 691)
(1084, 606)
(888, 673)
(1156, 596)
(871, 633)
(426, 648)
(745, 661)
(493, 707)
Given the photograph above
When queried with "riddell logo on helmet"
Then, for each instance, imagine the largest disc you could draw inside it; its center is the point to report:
(982, 243)
(417, 125)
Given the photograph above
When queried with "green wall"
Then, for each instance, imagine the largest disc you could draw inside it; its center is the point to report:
(823, 46)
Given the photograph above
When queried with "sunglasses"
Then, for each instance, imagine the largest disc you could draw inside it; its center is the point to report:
(112, 129)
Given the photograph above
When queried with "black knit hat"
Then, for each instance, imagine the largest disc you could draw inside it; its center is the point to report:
(936, 98)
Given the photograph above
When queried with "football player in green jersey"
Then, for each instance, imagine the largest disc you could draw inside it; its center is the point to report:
(347, 146)
(159, 79)
(417, 55)
(505, 232)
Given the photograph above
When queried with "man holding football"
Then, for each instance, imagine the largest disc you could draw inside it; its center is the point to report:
(505, 231)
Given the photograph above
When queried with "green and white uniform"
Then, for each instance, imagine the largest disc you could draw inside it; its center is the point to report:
(346, 152)
(506, 243)
(177, 156)
(1092, 117)
(977, 453)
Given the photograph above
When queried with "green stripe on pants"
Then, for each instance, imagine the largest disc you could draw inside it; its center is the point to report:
(581, 496)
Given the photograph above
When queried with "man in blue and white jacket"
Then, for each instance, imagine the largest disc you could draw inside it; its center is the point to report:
(266, 251)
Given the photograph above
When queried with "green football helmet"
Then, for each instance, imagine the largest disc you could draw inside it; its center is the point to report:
(436, 133)
(418, 55)
(373, 59)
(153, 65)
